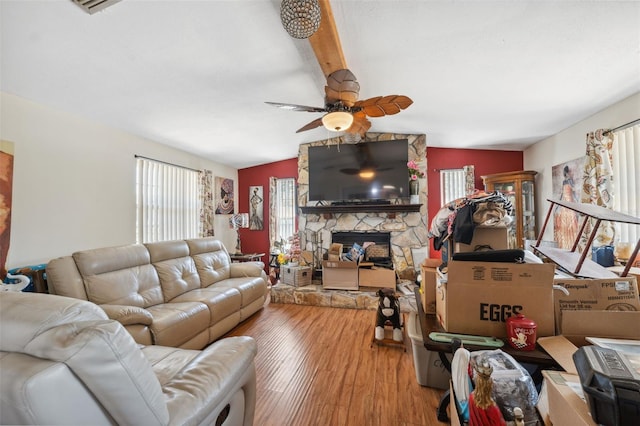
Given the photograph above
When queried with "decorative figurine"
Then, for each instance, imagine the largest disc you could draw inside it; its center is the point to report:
(483, 410)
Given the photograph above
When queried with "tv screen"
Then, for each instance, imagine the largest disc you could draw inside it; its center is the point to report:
(362, 171)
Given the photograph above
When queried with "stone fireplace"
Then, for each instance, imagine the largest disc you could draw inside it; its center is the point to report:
(404, 225)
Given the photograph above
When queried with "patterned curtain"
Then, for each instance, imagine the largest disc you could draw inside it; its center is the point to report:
(206, 203)
(597, 185)
(272, 210)
(469, 179)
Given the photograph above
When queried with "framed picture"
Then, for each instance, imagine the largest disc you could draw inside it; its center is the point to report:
(224, 195)
(567, 186)
(256, 212)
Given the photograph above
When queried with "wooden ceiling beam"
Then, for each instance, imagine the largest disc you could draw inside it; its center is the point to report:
(326, 42)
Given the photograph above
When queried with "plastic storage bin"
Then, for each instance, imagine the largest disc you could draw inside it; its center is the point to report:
(429, 369)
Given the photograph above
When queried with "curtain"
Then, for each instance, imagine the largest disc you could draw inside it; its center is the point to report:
(282, 209)
(469, 179)
(206, 203)
(626, 172)
(597, 187)
(167, 202)
(272, 210)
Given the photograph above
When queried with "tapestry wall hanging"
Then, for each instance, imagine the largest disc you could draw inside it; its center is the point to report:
(6, 184)
(567, 186)
(224, 195)
(256, 201)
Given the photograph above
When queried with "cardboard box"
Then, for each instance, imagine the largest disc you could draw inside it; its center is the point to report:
(335, 252)
(339, 275)
(479, 296)
(298, 276)
(566, 406)
(376, 277)
(611, 294)
(428, 284)
(496, 237)
(576, 325)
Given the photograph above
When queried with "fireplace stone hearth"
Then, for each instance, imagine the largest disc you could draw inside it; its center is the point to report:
(316, 295)
(407, 229)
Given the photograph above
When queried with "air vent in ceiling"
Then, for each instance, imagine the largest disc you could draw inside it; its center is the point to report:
(93, 6)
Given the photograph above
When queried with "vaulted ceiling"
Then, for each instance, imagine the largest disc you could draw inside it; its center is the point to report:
(195, 74)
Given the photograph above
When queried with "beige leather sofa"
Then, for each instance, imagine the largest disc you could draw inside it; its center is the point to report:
(62, 361)
(184, 293)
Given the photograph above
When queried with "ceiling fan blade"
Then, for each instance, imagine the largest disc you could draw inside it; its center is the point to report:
(315, 123)
(360, 124)
(294, 107)
(384, 105)
(350, 171)
(342, 86)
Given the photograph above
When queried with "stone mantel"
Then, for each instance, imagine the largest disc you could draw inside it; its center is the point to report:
(360, 208)
(407, 223)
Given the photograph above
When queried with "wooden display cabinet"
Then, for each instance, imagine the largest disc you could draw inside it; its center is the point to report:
(519, 188)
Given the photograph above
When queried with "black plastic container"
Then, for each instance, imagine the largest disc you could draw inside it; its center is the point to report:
(610, 384)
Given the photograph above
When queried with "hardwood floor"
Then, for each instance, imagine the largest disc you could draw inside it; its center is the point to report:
(315, 366)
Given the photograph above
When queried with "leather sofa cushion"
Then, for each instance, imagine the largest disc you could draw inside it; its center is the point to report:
(176, 323)
(124, 384)
(18, 329)
(221, 301)
(250, 289)
(120, 276)
(212, 267)
(177, 276)
(192, 380)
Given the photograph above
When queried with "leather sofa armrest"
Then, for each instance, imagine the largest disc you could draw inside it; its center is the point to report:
(128, 315)
(246, 269)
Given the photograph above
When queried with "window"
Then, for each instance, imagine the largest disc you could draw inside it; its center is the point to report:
(167, 202)
(452, 185)
(283, 208)
(626, 180)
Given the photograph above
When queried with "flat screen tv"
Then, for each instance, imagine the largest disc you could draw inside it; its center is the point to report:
(364, 171)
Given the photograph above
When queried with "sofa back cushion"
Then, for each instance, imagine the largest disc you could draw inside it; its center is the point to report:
(98, 351)
(211, 259)
(119, 276)
(63, 278)
(176, 270)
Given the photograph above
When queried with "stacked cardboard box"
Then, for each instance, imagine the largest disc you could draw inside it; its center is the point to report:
(478, 297)
(492, 237)
(339, 275)
(428, 284)
(370, 275)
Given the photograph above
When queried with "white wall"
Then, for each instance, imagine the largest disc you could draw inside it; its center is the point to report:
(74, 182)
(570, 144)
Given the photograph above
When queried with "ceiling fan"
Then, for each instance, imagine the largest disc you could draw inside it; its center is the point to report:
(344, 112)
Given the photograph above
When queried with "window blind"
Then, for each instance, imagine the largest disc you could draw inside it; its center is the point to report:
(167, 202)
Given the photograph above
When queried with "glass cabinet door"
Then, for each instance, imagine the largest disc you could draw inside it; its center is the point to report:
(519, 188)
(528, 211)
(509, 190)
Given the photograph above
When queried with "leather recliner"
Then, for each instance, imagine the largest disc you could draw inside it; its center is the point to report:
(62, 361)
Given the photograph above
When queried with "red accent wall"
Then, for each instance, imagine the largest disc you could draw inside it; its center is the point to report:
(485, 161)
(258, 241)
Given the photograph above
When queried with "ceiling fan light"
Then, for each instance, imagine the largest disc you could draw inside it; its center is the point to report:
(300, 18)
(337, 121)
(367, 173)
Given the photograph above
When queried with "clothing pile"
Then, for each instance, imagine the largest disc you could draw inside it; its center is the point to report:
(459, 218)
